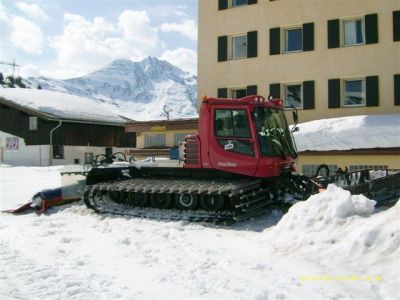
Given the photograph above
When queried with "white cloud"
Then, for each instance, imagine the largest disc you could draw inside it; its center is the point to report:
(32, 10)
(87, 45)
(26, 35)
(136, 27)
(187, 28)
(184, 58)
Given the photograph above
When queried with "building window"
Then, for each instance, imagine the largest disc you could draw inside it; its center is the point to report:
(353, 32)
(33, 123)
(58, 151)
(238, 93)
(238, 3)
(362, 30)
(154, 140)
(293, 95)
(239, 47)
(311, 170)
(225, 4)
(354, 92)
(88, 157)
(293, 39)
(354, 168)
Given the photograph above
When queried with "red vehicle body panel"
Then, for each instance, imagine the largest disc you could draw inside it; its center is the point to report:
(213, 156)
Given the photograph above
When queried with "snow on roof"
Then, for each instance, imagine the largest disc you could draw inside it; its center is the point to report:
(346, 133)
(60, 105)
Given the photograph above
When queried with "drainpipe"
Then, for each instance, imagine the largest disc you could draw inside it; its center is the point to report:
(51, 141)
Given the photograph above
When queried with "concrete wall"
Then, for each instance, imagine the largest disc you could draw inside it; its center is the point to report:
(24, 155)
(321, 64)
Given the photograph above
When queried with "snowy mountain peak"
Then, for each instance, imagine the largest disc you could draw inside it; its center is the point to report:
(139, 89)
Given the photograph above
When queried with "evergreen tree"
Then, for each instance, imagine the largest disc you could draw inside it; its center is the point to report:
(1, 78)
(18, 82)
(39, 87)
(10, 81)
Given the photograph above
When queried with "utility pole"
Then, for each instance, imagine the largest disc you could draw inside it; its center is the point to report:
(12, 64)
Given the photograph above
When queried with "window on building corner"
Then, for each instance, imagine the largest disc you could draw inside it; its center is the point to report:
(353, 32)
(293, 39)
(239, 46)
(354, 92)
(293, 95)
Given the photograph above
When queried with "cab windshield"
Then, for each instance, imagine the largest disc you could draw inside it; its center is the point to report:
(273, 133)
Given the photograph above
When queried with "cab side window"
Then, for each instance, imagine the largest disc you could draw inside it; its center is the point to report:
(231, 123)
(232, 131)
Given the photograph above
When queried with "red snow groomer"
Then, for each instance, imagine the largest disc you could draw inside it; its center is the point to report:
(240, 163)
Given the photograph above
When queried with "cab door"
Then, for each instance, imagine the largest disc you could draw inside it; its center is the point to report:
(231, 145)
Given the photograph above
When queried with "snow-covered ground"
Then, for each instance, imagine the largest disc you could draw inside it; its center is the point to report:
(332, 246)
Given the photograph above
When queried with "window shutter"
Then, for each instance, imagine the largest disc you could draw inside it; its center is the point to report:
(334, 93)
(396, 26)
(372, 90)
(222, 4)
(333, 34)
(396, 89)
(275, 41)
(308, 37)
(309, 94)
(222, 48)
(371, 29)
(249, 2)
(251, 90)
(223, 93)
(252, 44)
(275, 90)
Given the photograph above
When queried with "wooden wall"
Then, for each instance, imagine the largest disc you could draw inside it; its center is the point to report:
(16, 122)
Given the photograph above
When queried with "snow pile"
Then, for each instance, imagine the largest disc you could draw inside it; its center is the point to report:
(355, 132)
(340, 232)
(61, 105)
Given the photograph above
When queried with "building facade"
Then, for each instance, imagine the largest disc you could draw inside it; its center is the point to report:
(326, 58)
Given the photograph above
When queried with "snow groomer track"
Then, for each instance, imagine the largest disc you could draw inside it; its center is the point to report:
(217, 200)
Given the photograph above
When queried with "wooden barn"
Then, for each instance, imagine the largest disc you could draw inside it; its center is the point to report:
(44, 128)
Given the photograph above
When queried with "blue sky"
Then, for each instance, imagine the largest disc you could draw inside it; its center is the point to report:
(68, 38)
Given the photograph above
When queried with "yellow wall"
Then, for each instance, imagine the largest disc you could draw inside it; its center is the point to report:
(392, 161)
(169, 136)
(321, 64)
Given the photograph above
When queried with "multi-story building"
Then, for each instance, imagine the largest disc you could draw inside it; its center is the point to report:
(326, 58)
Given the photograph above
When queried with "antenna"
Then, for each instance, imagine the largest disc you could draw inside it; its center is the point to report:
(13, 64)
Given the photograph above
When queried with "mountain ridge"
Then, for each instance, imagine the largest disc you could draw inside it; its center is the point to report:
(139, 90)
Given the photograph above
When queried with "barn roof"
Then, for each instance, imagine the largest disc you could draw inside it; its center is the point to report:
(59, 106)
